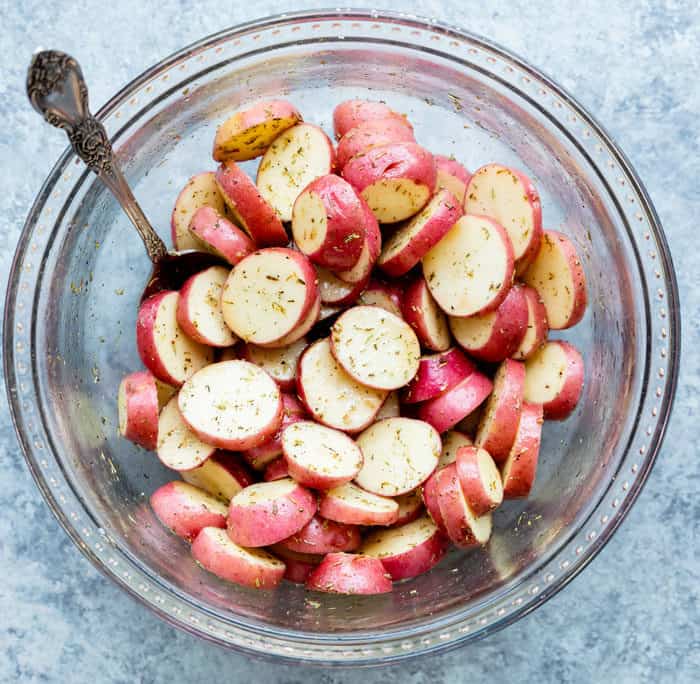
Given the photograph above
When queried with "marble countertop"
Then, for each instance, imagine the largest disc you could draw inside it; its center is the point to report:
(634, 614)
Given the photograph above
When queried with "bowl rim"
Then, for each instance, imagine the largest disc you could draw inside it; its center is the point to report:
(432, 626)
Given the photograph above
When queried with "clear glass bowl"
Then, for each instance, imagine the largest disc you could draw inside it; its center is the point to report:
(79, 269)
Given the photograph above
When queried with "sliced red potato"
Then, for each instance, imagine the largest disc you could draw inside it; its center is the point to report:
(200, 191)
(452, 176)
(375, 347)
(353, 505)
(452, 441)
(295, 158)
(199, 308)
(495, 335)
(385, 295)
(349, 573)
(537, 325)
(554, 378)
(471, 269)
(336, 292)
(422, 313)
(410, 507)
(249, 132)
(249, 207)
(137, 402)
(186, 510)
(268, 512)
(400, 454)
(220, 235)
(509, 197)
(391, 408)
(231, 404)
(178, 447)
(445, 411)
(298, 565)
(372, 133)
(501, 416)
(396, 180)
(276, 470)
(165, 393)
(409, 550)
(429, 494)
(519, 470)
(464, 527)
(410, 243)
(557, 274)
(280, 362)
(254, 568)
(438, 373)
(351, 113)
(371, 249)
(328, 223)
(330, 395)
(268, 295)
(222, 475)
(163, 346)
(320, 535)
(480, 479)
(304, 328)
(318, 456)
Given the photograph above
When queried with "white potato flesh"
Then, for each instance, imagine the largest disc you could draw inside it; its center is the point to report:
(356, 497)
(490, 476)
(280, 362)
(435, 322)
(311, 222)
(201, 191)
(473, 332)
(333, 290)
(178, 447)
(397, 540)
(262, 492)
(451, 441)
(204, 307)
(400, 454)
(214, 478)
(376, 347)
(391, 408)
(545, 373)
(395, 199)
(165, 392)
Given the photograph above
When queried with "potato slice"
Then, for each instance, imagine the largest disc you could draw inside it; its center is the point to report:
(200, 191)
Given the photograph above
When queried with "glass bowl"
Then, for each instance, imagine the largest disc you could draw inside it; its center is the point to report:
(79, 270)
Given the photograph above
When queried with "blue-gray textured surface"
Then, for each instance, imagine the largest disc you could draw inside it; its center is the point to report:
(633, 615)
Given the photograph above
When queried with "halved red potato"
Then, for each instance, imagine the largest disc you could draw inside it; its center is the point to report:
(509, 197)
(351, 113)
(410, 243)
(438, 373)
(371, 249)
(499, 420)
(231, 404)
(388, 296)
(396, 180)
(353, 505)
(537, 325)
(276, 470)
(519, 470)
(254, 568)
(330, 395)
(375, 347)
(410, 507)
(249, 207)
(318, 456)
(222, 475)
(268, 294)
(336, 292)
(268, 512)
(557, 274)
(471, 269)
(554, 378)
(495, 335)
(409, 550)
(445, 411)
(295, 158)
(200, 191)
(400, 454)
(422, 313)
(298, 565)
(320, 535)
(464, 527)
(372, 133)
(391, 408)
(279, 362)
(480, 479)
(452, 441)
(349, 573)
(138, 407)
(249, 132)
(328, 223)
(186, 510)
(199, 308)
(220, 235)
(301, 330)
(162, 344)
(429, 494)
(452, 176)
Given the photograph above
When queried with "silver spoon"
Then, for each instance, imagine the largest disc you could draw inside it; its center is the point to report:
(57, 90)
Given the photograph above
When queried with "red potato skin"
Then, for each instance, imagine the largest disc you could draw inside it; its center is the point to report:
(243, 198)
(479, 500)
(429, 492)
(142, 409)
(349, 573)
(362, 270)
(351, 113)
(451, 167)
(539, 321)
(438, 373)
(269, 522)
(500, 437)
(391, 293)
(340, 511)
(565, 402)
(418, 559)
(187, 190)
(232, 465)
(370, 134)
(410, 514)
(219, 233)
(324, 536)
(299, 565)
(414, 315)
(350, 292)
(313, 479)
(451, 501)
(184, 316)
(524, 454)
(180, 515)
(284, 385)
(276, 470)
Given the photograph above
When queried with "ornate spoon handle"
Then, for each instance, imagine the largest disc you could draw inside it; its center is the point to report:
(57, 90)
